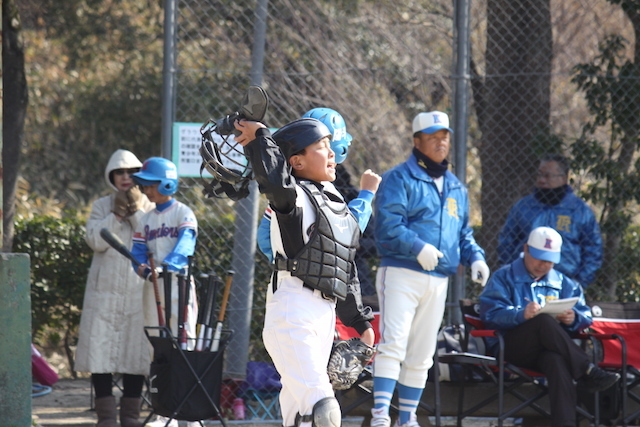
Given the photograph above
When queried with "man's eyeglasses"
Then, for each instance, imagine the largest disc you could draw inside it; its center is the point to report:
(548, 175)
(127, 171)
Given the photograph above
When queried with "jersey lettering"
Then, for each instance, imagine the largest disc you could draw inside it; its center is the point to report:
(159, 232)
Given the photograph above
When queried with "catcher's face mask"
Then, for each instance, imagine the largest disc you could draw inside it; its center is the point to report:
(222, 156)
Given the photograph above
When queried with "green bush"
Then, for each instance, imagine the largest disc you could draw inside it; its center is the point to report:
(627, 263)
(60, 260)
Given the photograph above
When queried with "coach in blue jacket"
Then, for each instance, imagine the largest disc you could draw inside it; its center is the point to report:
(511, 303)
(422, 234)
(553, 204)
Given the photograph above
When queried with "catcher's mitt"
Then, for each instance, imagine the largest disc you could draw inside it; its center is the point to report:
(348, 359)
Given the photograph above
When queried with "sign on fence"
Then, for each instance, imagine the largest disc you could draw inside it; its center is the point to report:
(186, 142)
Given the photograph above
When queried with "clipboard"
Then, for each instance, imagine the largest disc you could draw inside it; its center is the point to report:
(558, 306)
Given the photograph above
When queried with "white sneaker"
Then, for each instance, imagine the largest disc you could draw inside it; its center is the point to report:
(161, 422)
(380, 418)
(413, 422)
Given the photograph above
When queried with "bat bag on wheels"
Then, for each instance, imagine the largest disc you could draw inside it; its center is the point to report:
(185, 385)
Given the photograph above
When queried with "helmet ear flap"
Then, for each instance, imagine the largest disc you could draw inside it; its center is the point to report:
(167, 188)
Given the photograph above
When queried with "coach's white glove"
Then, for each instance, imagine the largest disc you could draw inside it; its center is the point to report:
(480, 272)
(428, 257)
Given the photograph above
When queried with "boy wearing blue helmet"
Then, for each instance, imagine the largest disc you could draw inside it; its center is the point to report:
(314, 236)
(168, 232)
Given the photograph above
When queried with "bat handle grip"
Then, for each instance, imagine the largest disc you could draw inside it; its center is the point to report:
(215, 345)
(156, 291)
(207, 338)
(200, 340)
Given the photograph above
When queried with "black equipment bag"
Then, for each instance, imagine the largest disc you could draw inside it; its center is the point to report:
(185, 385)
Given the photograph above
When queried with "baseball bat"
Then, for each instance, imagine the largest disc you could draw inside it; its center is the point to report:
(166, 277)
(215, 283)
(156, 290)
(203, 314)
(182, 333)
(117, 244)
(223, 308)
(187, 292)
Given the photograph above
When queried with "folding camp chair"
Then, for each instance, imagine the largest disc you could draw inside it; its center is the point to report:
(262, 391)
(508, 377)
(363, 385)
(185, 385)
(619, 325)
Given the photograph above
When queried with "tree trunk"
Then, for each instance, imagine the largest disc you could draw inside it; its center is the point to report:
(513, 108)
(14, 110)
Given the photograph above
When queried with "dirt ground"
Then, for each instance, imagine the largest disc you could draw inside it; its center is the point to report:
(68, 399)
(68, 403)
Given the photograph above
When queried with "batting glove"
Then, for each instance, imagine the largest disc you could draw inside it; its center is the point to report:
(480, 272)
(428, 257)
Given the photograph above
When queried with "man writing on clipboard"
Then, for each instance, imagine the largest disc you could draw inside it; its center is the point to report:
(512, 302)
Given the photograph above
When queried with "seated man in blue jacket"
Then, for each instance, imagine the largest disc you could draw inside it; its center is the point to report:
(511, 302)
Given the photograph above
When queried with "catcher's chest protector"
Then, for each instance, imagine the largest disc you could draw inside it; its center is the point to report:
(325, 261)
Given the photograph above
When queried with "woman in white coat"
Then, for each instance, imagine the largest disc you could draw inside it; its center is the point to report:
(112, 338)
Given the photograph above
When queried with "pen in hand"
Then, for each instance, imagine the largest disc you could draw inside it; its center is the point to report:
(529, 311)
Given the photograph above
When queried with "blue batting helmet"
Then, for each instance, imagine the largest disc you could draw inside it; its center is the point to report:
(333, 120)
(157, 170)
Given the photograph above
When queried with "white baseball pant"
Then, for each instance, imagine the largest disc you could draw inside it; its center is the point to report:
(298, 333)
(412, 304)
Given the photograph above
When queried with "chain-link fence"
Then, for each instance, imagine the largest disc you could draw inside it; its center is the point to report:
(545, 77)
(376, 70)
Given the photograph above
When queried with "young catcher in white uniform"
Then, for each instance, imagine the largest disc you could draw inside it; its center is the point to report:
(314, 237)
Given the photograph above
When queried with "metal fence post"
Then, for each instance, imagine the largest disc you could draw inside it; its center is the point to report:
(460, 120)
(168, 70)
(244, 246)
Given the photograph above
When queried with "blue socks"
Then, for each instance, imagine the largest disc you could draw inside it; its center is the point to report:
(383, 392)
(408, 398)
